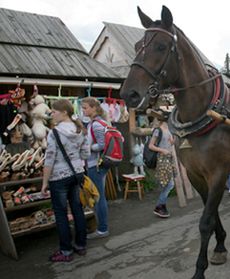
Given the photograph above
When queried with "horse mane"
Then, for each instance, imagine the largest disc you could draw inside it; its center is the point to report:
(200, 54)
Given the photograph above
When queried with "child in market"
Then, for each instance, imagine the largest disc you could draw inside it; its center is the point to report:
(165, 167)
(64, 186)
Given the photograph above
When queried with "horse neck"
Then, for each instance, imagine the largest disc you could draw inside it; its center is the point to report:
(192, 102)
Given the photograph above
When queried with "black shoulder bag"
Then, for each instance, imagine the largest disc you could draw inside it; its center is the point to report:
(150, 156)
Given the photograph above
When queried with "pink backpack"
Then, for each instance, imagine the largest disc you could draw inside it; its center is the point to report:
(112, 154)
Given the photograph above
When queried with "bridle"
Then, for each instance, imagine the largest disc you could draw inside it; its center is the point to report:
(202, 124)
(161, 72)
(153, 89)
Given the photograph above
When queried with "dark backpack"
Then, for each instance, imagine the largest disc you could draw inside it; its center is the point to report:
(150, 156)
(112, 154)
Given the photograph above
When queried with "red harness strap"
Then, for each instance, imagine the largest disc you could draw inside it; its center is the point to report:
(214, 123)
(209, 127)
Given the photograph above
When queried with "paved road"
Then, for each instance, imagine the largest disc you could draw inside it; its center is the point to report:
(141, 246)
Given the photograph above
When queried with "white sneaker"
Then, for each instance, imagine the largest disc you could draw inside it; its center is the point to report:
(97, 234)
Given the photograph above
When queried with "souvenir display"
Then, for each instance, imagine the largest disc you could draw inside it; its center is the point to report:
(40, 114)
(34, 221)
(25, 123)
(22, 196)
(137, 158)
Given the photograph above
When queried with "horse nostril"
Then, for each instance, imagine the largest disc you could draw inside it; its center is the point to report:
(133, 98)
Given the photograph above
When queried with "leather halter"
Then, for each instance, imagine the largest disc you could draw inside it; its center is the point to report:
(161, 72)
(153, 89)
(204, 123)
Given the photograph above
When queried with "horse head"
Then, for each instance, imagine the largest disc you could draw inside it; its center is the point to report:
(156, 64)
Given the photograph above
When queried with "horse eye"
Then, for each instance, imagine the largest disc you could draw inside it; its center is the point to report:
(161, 47)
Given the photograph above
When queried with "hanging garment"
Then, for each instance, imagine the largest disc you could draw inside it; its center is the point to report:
(124, 115)
(116, 113)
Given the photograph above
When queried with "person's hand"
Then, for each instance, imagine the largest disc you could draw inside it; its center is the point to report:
(44, 190)
(165, 152)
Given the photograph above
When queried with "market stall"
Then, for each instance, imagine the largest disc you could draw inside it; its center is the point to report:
(22, 207)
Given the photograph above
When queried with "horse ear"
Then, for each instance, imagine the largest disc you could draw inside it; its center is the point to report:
(145, 20)
(166, 17)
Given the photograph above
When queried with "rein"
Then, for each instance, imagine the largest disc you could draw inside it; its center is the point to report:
(174, 90)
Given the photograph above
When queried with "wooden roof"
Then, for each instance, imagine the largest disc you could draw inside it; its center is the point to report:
(42, 46)
(127, 37)
(122, 39)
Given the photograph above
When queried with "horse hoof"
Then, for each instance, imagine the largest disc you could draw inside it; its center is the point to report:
(218, 258)
(198, 277)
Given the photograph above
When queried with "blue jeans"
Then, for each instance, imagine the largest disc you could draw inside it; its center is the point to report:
(62, 191)
(165, 192)
(98, 176)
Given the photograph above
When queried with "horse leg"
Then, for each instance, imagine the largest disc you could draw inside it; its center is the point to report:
(220, 252)
(206, 227)
(202, 261)
(208, 223)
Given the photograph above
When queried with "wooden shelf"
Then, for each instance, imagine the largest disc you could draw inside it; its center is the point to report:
(4, 185)
(27, 205)
(41, 227)
(7, 236)
(34, 229)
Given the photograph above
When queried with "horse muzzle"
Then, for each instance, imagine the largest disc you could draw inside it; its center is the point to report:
(133, 99)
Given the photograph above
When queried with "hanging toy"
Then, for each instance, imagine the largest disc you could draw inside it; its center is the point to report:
(137, 159)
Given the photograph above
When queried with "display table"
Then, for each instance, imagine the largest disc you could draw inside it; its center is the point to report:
(11, 227)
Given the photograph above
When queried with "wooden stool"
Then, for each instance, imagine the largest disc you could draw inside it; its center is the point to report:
(138, 188)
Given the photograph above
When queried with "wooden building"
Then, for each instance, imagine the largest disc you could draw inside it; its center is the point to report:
(41, 49)
(114, 47)
(38, 49)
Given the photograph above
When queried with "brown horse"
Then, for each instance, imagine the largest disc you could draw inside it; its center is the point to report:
(166, 61)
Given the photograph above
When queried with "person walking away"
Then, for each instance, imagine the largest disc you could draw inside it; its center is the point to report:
(62, 183)
(165, 168)
(96, 131)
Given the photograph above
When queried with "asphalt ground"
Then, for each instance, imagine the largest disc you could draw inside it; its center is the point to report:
(140, 246)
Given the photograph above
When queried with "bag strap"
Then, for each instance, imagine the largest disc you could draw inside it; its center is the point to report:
(66, 157)
(91, 128)
(159, 137)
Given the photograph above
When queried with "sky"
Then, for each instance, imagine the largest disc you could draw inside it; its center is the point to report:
(205, 22)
